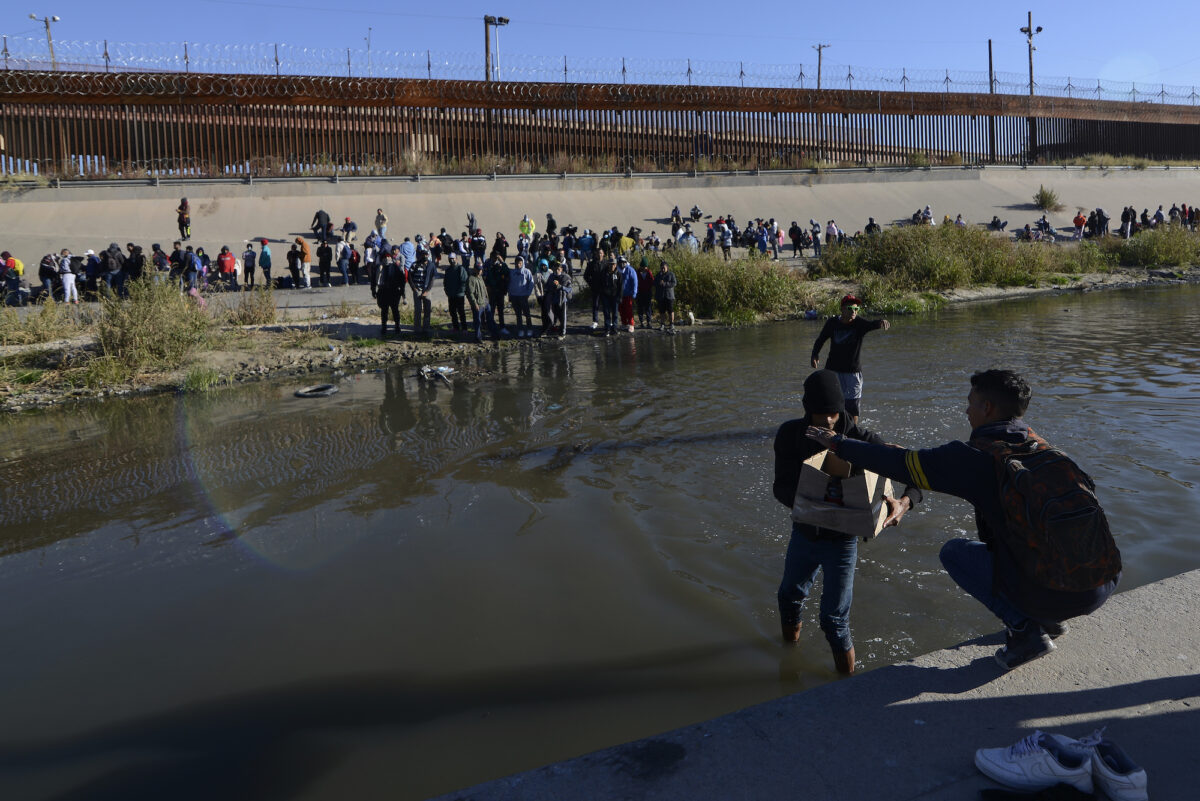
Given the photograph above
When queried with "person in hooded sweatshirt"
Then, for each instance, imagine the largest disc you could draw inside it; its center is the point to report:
(812, 548)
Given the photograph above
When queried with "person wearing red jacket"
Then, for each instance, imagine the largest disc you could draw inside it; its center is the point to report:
(227, 266)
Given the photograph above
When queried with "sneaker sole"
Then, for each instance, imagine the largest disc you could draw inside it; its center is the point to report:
(1000, 660)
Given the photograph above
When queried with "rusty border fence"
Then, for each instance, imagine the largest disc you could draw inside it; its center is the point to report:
(125, 124)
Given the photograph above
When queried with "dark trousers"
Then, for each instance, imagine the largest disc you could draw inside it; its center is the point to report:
(643, 309)
(496, 300)
(421, 309)
(392, 303)
(458, 313)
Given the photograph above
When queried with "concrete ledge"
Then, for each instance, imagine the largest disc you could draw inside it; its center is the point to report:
(909, 731)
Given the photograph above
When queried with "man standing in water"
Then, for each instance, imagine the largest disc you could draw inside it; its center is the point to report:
(812, 548)
(845, 334)
(1054, 561)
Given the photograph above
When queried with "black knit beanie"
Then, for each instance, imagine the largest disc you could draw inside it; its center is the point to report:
(823, 393)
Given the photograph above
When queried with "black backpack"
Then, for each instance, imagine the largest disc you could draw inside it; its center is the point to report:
(1056, 530)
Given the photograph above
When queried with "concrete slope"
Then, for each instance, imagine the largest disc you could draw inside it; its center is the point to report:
(36, 221)
(910, 731)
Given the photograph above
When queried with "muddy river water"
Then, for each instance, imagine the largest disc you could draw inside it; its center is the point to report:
(407, 587)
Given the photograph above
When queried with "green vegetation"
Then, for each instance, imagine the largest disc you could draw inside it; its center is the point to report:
(902, 261)
(1167, 246)
(48, 322)
(201, 379)
(1047, 199)
(155, 328)
(739, 291)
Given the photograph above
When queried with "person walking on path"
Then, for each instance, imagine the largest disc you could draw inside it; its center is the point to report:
(845, 334)
(811, 548)
(183, 218)
(1045, 553)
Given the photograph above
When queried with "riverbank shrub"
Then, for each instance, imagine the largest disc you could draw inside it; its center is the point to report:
(939, 258)
(1166, 246)
(48, 321)
(737, 291)
(154, 328)
(256, 307)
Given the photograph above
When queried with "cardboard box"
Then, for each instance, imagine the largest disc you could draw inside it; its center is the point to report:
(862, 510)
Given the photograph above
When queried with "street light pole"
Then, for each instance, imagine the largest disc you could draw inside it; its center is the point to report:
(490, 22)
(1029, 32)
(369, 73)
(49, 38)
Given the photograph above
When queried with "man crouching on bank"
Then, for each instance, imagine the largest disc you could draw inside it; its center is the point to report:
(1045, 553)
(812, 548)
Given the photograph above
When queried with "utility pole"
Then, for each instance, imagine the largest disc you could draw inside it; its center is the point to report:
(991, 117)
(821, 118)
(49, 38)
(1029, 32)
(819, 48)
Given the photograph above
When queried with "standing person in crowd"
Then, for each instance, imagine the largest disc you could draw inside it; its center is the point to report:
(227, 267)
(499, 246)
(371, 249)
(541, 272)
(526, 227)
(162, 264)
(264, 261)
(135, 266)
(479, 246)
(189, 279)
(462, 248)
(114, 265)
(645, 292)
(249, 260)
(477, 297)
(454, 282)
(496, 278)
(420, 278)
(70, 292)
(324, 262)
(343, 260)
(389, 289)
(845, 334)
(664, 291)
(726, 234)
(305, 262)
(381, 222)
(1033, 571)
(558, 293)
(47, 272)
(816, 238)
(628, 291)
(812, 548)
(593, 276)
(295, 264)
(183, 218)
(611, 282)
(551, 225)
(520, 286)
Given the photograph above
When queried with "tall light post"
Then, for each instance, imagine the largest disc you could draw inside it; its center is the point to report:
(1029, 32)
(49, 38)
(490, 22)
(368, 38)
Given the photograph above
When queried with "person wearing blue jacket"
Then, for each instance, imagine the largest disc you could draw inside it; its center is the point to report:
(520, 287)
(988, 569)
(629, 284)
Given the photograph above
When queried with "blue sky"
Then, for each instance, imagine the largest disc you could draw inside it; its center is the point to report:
(1119, 43)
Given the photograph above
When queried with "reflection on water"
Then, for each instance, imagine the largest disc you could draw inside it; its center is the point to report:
(416, 587)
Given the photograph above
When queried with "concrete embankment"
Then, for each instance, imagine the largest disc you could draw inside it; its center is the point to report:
(81, 216)
(909, 731)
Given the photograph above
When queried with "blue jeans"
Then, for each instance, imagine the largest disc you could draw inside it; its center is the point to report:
(610, 312)
(969, 563)
(835, 555)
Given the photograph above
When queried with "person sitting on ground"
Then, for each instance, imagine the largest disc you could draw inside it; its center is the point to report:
(1033, 578)
(996, 224)
(927, 216)
(872, 226)
(812, 548)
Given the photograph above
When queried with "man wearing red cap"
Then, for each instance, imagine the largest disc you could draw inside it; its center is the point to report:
(845, 334)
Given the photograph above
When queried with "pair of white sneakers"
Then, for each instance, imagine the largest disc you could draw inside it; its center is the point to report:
(1043, 760)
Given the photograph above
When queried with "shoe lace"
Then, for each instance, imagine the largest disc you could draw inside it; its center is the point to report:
(1028, 745)
(1093, 739)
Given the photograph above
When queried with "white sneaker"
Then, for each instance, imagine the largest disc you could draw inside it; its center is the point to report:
(631, 329)
(1119, 777)
(1037, 762)
(595, 325)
